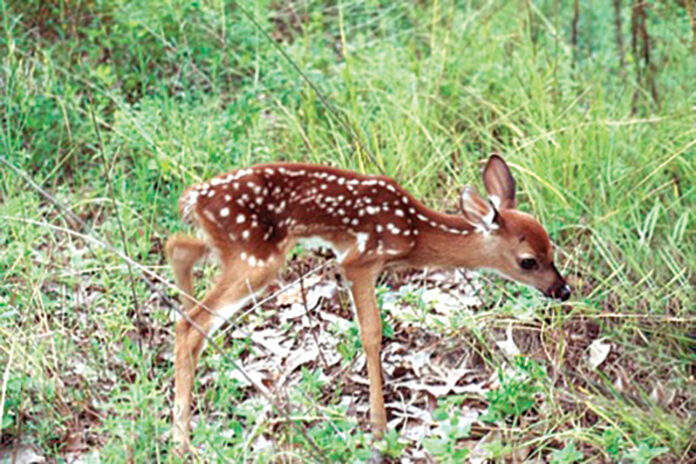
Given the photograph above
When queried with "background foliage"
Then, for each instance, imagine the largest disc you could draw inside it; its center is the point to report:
(593, 104)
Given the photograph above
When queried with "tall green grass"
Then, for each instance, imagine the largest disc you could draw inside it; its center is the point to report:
(184, 91)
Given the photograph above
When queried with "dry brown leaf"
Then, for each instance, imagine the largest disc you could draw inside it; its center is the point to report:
(597, 352)
(21, 454)
(273, 341)
(294, 293)
(443, 390)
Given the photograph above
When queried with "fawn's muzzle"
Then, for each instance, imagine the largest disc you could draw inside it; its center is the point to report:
(559, 292)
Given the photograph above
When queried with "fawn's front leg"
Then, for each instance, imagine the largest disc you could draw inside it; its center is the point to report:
(363, 290)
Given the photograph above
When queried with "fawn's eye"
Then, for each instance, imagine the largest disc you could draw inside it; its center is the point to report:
(529, 264)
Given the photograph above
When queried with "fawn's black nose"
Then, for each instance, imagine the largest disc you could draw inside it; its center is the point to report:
(562, 292)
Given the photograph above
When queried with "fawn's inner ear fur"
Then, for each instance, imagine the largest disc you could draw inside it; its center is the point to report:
(499, 183)
(477, 210)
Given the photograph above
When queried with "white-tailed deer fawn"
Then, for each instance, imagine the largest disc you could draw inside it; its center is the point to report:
(252, 217)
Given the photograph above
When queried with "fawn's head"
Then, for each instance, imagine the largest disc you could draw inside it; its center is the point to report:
(522, 249)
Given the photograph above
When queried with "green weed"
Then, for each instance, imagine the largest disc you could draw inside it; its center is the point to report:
(600, 140)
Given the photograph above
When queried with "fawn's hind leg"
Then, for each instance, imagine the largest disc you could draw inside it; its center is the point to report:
(238, 284)
(183, 252)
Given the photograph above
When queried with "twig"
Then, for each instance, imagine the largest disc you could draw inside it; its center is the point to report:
(233, 324)
(122, 233)
(106, 245)
(314, 335)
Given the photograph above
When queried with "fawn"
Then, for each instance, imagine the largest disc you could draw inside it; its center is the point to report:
(252, 217)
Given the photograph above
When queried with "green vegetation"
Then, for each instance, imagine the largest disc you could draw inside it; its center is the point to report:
(114, 107)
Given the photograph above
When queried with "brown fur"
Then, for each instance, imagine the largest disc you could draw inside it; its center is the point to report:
(296, 201)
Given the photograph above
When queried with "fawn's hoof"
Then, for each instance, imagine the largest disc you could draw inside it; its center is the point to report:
(376, 456)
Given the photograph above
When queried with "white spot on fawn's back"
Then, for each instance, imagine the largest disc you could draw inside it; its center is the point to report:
(361, 238)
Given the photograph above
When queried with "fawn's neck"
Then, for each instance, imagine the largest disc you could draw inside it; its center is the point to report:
(442, 245)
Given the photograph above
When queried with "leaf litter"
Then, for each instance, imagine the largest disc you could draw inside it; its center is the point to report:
(296, 333)
(429, 354)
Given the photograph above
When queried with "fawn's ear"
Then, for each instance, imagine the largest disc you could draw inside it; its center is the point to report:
(477, 210)
(499, 183)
